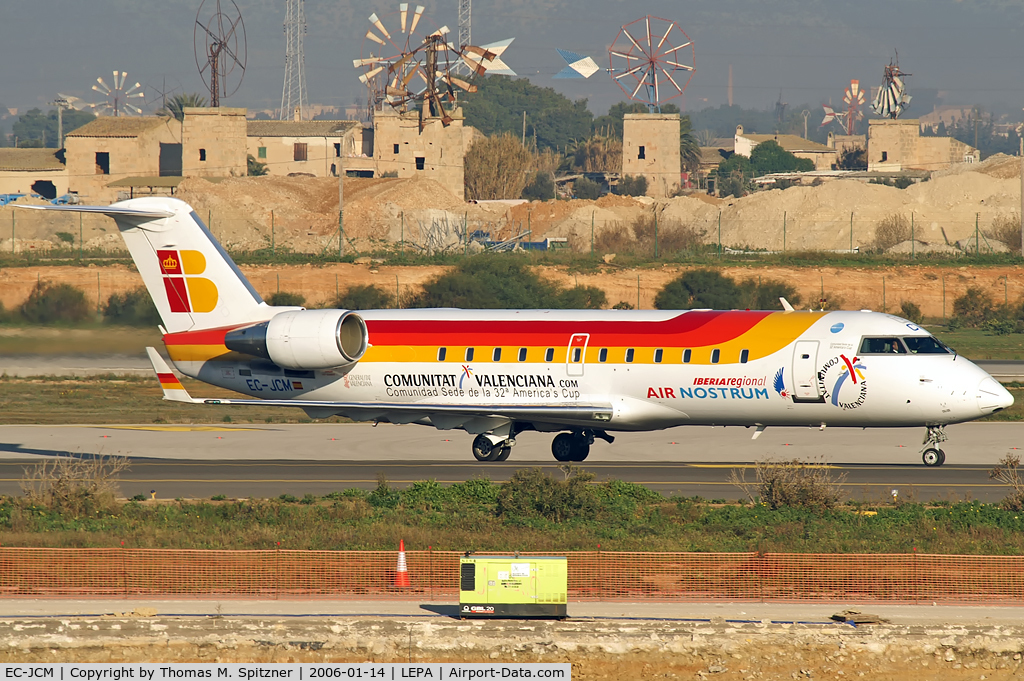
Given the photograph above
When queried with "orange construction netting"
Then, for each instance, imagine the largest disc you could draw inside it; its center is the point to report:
(434, 575)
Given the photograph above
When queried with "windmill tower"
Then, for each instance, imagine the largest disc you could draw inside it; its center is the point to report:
(293, 96)
(465, 25)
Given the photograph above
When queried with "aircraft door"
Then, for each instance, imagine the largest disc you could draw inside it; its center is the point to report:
(805, 372)
(576, 354)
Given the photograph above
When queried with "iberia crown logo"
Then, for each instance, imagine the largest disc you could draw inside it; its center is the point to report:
(185, 291)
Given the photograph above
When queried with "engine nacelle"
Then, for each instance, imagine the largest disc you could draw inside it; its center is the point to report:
(304, 339)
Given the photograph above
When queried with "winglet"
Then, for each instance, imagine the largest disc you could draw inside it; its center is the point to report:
(173, 389)
(785, 305)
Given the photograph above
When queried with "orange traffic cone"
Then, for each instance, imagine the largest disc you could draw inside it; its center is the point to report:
(401, 570)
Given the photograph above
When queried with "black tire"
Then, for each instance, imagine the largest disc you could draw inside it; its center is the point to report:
(563, 447)
(581, 451)
(932, 457)
(942, 457)
(483, 448)
(503, 454)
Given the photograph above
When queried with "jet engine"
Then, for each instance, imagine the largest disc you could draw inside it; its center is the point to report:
(304, 339)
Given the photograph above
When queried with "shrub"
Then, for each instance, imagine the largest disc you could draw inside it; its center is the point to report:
(792, 484)
(384, 496)
(286, 299)
(973, 308)
(622, 305)
(131, 308)
(72, 486)
(586, 189)
(532, 494)
(732, 184)
(911, 311)
(631, 186)
(364, 297)
(764, 295)
(639, 236)
(500, 281)
(891, 230)
(66, 237)
(389, 173)
(540, 188)
(1007, 473)
(254, 168)
(700, 289)
(497, 168)
(902, 182)
(56, 303)
(1006, 228)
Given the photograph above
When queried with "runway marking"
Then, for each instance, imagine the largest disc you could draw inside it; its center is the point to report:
(179, 429)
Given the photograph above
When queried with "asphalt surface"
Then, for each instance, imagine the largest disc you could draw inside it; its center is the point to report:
(266, 461)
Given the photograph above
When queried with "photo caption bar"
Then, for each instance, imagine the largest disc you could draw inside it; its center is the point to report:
(373, 671)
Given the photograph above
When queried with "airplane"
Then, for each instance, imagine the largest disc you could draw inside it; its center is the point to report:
(580, 374)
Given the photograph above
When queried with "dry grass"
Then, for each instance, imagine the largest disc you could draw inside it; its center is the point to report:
(74, 486)
(1008, 473)
(891, 230)
(638, 238)
(792, 484)
(1006, 228)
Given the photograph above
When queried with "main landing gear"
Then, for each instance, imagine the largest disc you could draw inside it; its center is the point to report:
(486, 450)
(575, 446)
(931, 454)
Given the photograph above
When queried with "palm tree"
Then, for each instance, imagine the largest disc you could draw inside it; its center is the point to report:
(177, 104)
(689, 148)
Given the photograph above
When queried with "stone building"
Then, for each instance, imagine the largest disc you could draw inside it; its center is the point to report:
(310, 147)
(116, 148)
(650, 148)
(213, 142)
(23, 171)
(897, 145)
(821, 155)
(406, 146)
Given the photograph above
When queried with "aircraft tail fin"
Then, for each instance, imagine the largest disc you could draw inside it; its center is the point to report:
(193, 281)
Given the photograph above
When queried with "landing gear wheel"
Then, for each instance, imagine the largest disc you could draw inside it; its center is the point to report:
(503, 454)
(933, 457)
(484, 450)
(563, 447)
(581, 450)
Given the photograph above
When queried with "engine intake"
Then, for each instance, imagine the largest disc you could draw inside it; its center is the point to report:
(304, 339)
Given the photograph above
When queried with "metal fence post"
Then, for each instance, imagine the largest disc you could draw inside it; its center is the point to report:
(783, 231)
(851, 231)
(273, 240)
(79, 236)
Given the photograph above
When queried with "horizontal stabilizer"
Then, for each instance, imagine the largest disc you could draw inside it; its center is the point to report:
(108, 210)
(172, 387)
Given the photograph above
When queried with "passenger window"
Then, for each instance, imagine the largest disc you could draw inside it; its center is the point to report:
(715, 354)
(522, 354)
(576, 354)
(469, 354)
(549, 354)
(686, 356)
(629, 355)
(602, 356)
(925, 345)
(441, 352)
(882, 346)
(658, 354)
(496, 355)
(744, 356)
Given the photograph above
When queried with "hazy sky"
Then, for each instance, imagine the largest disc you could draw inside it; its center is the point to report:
(971, 50)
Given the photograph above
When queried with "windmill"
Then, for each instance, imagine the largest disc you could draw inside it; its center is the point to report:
(854, 99)
(648, 60)
(117, 100)
(892, 97)
(219, 36)
(413, 63)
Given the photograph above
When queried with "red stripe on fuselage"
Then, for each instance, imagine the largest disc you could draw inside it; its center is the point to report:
(691, 328)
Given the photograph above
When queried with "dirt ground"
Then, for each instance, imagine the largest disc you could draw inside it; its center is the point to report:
(932, 288)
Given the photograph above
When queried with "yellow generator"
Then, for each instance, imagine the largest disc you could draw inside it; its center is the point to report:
(513, 586)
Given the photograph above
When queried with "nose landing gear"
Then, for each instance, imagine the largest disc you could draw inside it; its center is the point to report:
(931, 454)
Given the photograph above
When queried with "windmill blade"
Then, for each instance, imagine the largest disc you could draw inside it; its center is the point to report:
(671, 80)
(474, 66)
(133, 88)
(133, 108)
(443, 31)
(374, 37)
(639, 84)
(461, 84)
(624, 55)
(678, 65)
(629, 72)
(396, 92)
(403, 11)
(635, 43)
(106, 88)
(647, 21)
(119, 85)
(363, 78)
(663, 38)
(667, 52)
(416, 18)
(357, 63)
(485, 54)
(375, 20)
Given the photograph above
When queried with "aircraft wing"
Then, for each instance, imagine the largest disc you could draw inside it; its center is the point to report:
(475, 418)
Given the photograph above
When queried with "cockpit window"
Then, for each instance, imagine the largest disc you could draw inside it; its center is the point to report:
(882, 346)
(925, 345)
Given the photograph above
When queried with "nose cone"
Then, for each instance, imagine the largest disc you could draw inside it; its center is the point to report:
(992, 396)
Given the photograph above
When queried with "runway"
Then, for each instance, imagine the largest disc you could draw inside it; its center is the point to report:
(269, 460)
